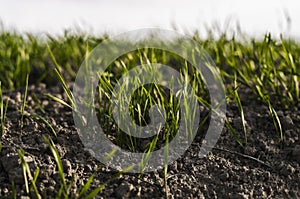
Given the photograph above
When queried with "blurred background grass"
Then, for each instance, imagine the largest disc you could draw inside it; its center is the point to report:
(272, 64)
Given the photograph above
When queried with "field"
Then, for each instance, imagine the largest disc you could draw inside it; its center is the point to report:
(43, 154)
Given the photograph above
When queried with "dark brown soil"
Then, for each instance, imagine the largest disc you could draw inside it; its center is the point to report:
(263, 169)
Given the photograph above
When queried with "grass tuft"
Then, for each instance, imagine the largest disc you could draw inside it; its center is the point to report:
(28, 176)
(24, 103)
(59, 165)
(61, 80)
(3, 110)
(269, 68)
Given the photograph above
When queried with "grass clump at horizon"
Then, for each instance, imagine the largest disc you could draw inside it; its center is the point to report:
(270, 64)
(268, 67)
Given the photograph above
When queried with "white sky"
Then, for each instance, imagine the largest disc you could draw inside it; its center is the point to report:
(256, 17)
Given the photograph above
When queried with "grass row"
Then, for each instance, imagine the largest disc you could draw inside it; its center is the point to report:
(269, 68)
(272, 65)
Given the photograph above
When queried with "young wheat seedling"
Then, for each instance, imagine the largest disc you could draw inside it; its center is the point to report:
(27, 175)
(24, 104)
(2, 112)
(63, 83)
(2, 116)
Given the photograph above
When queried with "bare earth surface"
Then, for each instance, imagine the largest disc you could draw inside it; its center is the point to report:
(263, 169)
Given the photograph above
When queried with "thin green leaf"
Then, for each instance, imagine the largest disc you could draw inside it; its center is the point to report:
(38, 117)
(86, 186)
(58, 100)
(58, 162)
(24, 101)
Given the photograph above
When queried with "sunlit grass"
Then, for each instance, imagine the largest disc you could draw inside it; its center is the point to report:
(29, 179)
(269, 68)
(24, 103)
(3, 109)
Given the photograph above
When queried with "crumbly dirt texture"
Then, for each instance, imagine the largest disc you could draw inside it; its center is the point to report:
(263, 169)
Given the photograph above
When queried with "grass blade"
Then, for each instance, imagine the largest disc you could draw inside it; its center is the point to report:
(58, 162)
(95, 192)
(33, 183)
(56, 99)
(276, 121)
(39, 118)
(24, 103)
(13, 190)
(27, 174)
(240, 107)
(61, 79)
(25, 169)
(233, 133)
(37, 101)
(2, 112)
(86, 186)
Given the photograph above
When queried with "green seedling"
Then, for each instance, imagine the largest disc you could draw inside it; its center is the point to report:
(3, 110)
(28, 177)
(276, 120)
(38, 102)
(14, 192)
(61, 79)
(56, 99)
(24, 103)
(41, 120)
(269, 68)
(236, 98)
(63, 190)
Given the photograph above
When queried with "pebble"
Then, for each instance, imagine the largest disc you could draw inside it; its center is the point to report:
(124, 189)
(287, 122)
(67, 167)
(280, 113)
(18, 97)
(296, 153)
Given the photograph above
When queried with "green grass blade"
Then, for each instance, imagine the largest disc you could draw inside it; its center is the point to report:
(61, 79)
(25, 169)
(56, 99)
(37, 101)
(33, 183)
(147, 155)
(60, 192)
(36, 174)
(2, 112)
(166, 166)
(110, 155)
(13, 190)
(38, 118)
(95, 192)
(72, 181)
(58, 162)
(233, 133)
(240, 107)
(276, 121)
(5, 111)
(24, 102)
(86, 186)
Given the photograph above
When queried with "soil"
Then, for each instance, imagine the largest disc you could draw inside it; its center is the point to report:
(264, 168)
